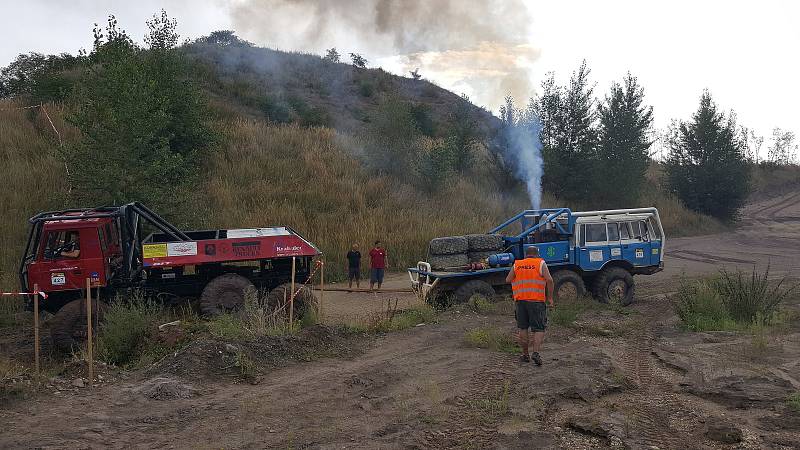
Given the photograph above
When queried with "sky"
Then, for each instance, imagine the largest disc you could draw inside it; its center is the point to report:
(744, 52)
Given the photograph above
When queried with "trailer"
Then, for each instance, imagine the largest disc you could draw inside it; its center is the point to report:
(130, 248)
(595, 252)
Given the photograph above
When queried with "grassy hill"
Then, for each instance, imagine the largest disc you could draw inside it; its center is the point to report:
(297, 146)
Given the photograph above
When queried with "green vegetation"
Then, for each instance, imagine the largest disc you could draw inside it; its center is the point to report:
(731, 301)
(706, 167)
(490, 408)
(129, 330)
(491, 338)
(793, 401)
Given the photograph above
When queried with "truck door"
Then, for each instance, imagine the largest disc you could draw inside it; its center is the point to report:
(60, 266)
(614, 245)
(635, 243)
(654, 236)
(594, 249)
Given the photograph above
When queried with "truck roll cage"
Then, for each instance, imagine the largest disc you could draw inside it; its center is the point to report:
(129, 217)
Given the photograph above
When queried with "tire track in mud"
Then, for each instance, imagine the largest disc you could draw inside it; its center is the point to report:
(782, 206)
(468, 425)
(650, 405)
(778, 204)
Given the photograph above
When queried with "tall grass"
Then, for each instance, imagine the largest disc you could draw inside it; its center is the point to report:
(128, 330)
(286, 175)
(731, 301)
(32, 173)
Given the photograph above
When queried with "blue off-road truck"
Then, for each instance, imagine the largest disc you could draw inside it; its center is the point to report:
(594, 251)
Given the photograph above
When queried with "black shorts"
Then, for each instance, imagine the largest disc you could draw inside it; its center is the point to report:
(354, 273)
(531, 315)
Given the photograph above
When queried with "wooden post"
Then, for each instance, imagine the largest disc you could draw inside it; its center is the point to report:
(291, 298)
(36, 328)
(89, 330)
(321, 287)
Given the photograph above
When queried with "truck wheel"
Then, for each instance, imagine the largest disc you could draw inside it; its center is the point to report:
(615, 285)
(303, 301)
(567, 286)
(448, 262)
(465, 292)
(224, 293)
(450, 245)
(484, 242)
(68, 327)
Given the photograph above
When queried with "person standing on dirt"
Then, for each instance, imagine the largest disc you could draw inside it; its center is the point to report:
(532, 285)
(377, 265)
(354, 266)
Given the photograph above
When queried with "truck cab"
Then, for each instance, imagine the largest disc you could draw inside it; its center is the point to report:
(61, 254)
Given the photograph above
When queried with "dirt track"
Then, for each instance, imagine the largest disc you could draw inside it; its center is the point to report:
(624, 379)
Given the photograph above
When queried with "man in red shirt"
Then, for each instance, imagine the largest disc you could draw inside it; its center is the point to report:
(377, 265)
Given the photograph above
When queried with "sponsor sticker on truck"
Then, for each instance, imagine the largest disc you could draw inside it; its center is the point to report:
(154, 250)
(182, 248)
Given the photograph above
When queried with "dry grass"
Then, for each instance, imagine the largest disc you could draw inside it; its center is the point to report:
(33, 175)
(275, 175)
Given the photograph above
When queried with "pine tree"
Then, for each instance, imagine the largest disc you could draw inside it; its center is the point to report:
(707, 167)
(568, 135)
(623, 145)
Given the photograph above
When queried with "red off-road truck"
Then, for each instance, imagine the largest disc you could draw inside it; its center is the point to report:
(130, 248)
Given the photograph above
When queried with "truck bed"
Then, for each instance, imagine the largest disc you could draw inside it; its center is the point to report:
(216, 246)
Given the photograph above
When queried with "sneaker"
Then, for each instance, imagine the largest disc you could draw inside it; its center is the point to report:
(524, 358)
(537, 359)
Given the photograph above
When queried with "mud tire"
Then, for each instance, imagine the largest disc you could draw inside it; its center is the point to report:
(615, 279)
(475, 257)
(484, 242)
(304, 301)
(68, 326)
(451, 245)
(441, 262)
(567, 286)
(225, 293)
(465, 292)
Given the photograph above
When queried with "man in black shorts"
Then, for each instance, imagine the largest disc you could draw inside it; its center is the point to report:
(354, 266)
(532, 286)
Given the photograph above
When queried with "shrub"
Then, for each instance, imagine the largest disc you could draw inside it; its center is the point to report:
(700, 307)
(127, 329)
(731, 301)
(747, 298)
(566, 313)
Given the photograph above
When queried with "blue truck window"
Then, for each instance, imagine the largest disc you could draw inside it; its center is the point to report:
(596, 232)
(613, 232)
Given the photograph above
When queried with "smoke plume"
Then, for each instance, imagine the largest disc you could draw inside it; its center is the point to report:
(524, 151)
(477, 47)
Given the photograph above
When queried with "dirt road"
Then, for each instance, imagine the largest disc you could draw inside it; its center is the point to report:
(613, 379)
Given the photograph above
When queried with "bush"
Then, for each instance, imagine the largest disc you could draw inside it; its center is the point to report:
(749, 298)
(700, 307)
(730, 301)
(128, 328)
(793, 401)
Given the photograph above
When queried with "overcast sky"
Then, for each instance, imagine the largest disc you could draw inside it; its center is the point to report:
(745, 53)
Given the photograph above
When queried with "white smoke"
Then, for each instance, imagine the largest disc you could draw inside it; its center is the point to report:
(524, 152)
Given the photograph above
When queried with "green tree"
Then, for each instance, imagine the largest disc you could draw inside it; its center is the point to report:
(393, 137)
(568, 135)
(706, 167)
(142, 119)
(358, 60)
(623, 145)
(43, 78)
(434, 163)
(332, 55)
(464, 136)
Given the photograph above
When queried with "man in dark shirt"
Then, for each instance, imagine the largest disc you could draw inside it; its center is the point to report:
(377, 265)
(354, 266)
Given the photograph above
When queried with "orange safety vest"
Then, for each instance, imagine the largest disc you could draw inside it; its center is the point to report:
(529, 284)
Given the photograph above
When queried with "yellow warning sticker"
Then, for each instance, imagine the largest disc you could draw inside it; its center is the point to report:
(154, 250)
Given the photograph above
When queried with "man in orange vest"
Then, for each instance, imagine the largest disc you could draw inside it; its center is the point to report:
(532, 286)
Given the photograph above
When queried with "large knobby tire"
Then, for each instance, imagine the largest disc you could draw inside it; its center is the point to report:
(448, 245)
(484, 242)
(465, 292)
(567, 286)
(304, 300)
(68, 328)
(614, 285)
(444, 262)
(225, 293)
